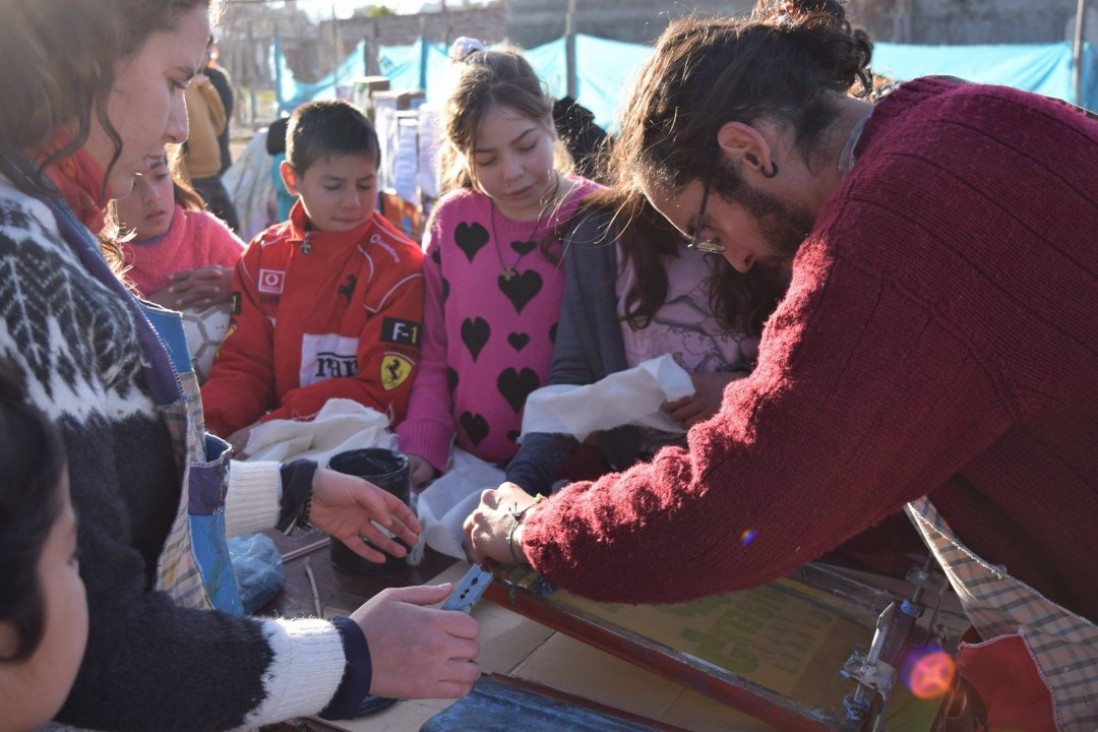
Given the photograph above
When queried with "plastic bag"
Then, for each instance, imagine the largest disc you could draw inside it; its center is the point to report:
(258, 569)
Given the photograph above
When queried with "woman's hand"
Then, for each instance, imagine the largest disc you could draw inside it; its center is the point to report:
(352, 510)
(197, 288)
(489, 528)
(418, 652)
(704, 402)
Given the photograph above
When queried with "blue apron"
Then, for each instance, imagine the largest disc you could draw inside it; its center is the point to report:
(194, 567)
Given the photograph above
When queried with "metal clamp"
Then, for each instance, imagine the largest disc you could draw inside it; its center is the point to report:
(875, 678)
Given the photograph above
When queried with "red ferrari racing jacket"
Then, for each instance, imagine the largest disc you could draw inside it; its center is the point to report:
(317, 315)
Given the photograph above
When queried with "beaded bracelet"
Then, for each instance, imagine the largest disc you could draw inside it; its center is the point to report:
(303, 517)
(511, 545)
(517, 521)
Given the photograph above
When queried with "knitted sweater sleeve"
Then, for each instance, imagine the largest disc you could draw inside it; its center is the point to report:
(149, 663)
(428, 429)
(217, 241)
(865, 397)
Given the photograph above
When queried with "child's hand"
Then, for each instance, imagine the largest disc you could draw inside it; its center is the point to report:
(239, 440)
(197, 288)
(420, 471)
(706, 400)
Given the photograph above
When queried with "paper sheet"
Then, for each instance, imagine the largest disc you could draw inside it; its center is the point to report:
(633, 396)
(406, 163)
(427, 173)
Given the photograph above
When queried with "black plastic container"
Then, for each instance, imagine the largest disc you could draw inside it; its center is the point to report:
(388, 470)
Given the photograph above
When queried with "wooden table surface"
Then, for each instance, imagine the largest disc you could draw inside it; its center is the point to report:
(337, 589)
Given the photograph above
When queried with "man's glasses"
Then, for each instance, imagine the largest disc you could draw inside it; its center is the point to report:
(709, 246)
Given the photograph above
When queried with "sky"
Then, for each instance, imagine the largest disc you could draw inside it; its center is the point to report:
(344, 8)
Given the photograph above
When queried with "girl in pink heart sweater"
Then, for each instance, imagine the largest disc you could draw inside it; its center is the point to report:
(493, 278)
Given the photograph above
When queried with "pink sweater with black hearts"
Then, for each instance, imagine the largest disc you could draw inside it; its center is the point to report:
(488, 340)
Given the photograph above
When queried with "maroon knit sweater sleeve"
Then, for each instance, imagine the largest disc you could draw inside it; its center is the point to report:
(855, 402)
(897, 366)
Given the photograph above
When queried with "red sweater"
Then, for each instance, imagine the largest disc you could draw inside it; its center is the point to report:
(940, 336)
(342, 320)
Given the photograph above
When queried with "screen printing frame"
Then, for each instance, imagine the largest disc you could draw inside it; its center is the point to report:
(519, 590)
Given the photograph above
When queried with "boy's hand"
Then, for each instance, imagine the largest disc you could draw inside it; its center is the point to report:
(346, 507)
(418, 652)
(197, 288)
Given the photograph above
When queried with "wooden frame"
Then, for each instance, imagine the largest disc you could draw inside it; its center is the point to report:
(818, 584)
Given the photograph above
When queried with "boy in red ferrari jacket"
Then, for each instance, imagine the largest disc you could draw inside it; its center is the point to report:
(327, 304)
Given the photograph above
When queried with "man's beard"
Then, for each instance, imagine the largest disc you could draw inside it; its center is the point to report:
(783, 226)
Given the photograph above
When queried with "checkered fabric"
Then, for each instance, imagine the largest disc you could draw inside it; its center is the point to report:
(177, 570)
(1064, 645)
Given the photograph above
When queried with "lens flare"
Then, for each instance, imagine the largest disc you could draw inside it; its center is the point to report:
(747, 536)
(930, 673)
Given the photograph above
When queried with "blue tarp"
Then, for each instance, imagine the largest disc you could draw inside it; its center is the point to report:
(291, 93)
(425, 66)
(415, 67)
(1044, 68)
(605, 70)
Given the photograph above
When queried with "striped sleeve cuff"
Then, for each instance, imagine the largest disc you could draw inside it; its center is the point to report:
(358, 677)
(252, 503)
(305, 673)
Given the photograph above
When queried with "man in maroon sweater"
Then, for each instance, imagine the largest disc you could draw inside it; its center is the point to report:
(937, 349)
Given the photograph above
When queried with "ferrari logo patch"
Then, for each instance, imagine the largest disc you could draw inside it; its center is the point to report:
(395, 368)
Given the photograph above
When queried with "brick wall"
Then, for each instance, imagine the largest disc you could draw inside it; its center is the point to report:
(534, 22)
(965, 21)
(488, 23)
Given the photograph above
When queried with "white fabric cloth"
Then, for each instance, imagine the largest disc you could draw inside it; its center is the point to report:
(445, 504)
(248, 181)
(632, 396)
(340, 425)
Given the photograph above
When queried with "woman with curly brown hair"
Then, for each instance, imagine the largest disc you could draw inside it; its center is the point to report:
(95, 91)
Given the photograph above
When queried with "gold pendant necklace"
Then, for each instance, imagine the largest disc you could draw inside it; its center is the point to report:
(509, 273)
